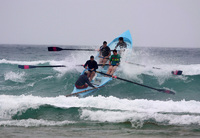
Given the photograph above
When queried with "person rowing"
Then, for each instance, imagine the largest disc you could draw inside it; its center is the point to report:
(91, 66)
(104, 53)
(83, 81)
(113, 63)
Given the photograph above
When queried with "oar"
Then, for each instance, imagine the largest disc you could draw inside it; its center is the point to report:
(176, 72)
(83, 91)
(31, 66)
(159, 90)
(59, 49)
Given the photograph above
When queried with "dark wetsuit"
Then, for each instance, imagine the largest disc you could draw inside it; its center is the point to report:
(105, 51)
(91, 65)
(80, 83)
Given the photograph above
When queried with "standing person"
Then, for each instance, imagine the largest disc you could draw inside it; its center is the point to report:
(83, 81)
(104, 53)
(113, 63)
(91, 65)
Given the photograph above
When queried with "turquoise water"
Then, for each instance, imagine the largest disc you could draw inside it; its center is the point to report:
(33, 102)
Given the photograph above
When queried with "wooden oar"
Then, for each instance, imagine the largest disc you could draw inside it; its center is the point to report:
(176, 72)
(83, 91)
(32, 66)
(159, 90)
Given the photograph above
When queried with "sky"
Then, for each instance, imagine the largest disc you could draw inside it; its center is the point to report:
(158, 23)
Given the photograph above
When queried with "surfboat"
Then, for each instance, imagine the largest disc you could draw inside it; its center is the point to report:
(100, 80)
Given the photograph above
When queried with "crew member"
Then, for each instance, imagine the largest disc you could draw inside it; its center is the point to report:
(114, 62)
(91, 65)
(121, 43)
(83, 81)
(104, 53)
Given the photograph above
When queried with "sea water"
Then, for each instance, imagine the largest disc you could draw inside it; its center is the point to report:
(33, 102)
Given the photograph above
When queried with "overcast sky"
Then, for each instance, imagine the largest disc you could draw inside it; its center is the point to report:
(162, 23)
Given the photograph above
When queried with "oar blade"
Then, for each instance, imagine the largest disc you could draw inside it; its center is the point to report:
(54, 49)
(26, 66)
(166, 91)
(177, 72)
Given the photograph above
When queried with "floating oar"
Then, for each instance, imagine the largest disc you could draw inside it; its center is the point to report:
(60, 49)
(82, 91)
(176, 72)
(159, 90)
(31, 66)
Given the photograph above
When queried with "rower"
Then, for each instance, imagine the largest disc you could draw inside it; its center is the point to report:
(91, 65)
(83, 81)
(104, 53)
(122, 45)
(113, 63)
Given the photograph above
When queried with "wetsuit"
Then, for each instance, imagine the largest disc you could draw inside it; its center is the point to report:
(105, 51)
(91, 65)
(114, 59)
(121, 45)
(81, 82)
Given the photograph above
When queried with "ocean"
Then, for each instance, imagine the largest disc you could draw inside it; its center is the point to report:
(33, 102)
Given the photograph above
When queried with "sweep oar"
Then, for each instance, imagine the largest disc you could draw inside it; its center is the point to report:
(60, 49)
(159, 90)
(176, 72)
(32, 66)
(73, 94)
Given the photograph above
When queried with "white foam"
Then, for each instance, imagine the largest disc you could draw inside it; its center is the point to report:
(34, 123)
(70, 63)
(110, 109)
(141, 117)
(145, 58)
(73, 62)
(4, 61)
(15, 76)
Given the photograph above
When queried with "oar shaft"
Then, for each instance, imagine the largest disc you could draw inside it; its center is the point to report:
(59, 49)
(127, 80)
(32, 66)
(81, 49)
(50, 66)
(160, 90)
